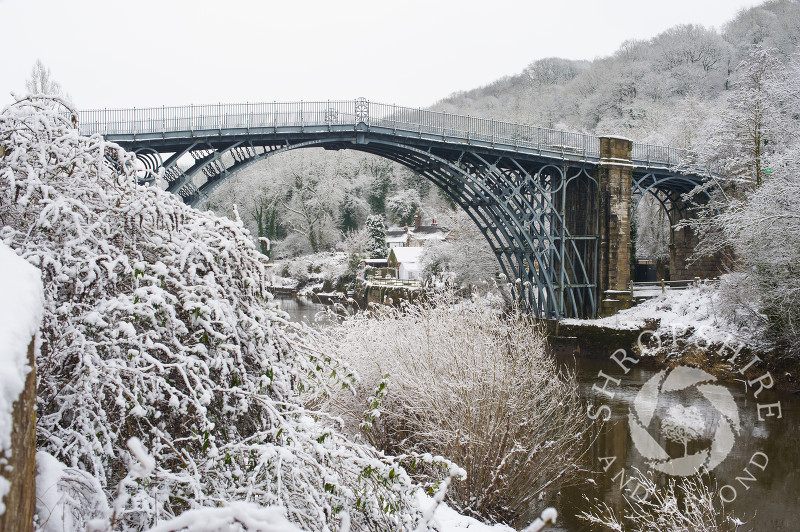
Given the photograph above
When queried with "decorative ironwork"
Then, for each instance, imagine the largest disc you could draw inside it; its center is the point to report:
(362, 110)
(331, 115)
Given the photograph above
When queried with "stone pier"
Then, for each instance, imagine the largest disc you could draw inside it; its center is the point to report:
(683, 242)
(615, 178)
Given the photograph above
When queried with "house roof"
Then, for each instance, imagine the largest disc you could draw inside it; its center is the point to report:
(430, 230)
(396, 236)
(408, 255)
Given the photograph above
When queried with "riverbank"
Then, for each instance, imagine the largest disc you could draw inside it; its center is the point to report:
(689, 327)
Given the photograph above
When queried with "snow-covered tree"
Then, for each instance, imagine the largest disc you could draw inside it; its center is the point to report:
(353, 211)
(42, 82)
(265, 214)
(464, 258)
(403, 206)
(764, 231)
(652, 230)
(756, 120)
(381, 173)
(158, 326)
(376, 237)
(310, 205)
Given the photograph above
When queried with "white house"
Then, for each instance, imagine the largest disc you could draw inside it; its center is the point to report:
(408, 261)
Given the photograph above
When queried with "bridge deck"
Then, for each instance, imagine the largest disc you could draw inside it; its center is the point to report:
(158, 125)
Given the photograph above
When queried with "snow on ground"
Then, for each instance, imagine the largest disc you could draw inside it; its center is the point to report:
(236, 516)
(250, 516)
(699, 311)
(21, 307)
(445, 519)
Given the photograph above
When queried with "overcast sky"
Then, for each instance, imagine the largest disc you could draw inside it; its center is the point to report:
(142, 53)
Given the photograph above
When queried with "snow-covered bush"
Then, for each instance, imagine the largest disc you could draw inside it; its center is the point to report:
(682, 504)
(763, 230)
(156, 326)
(463, 380)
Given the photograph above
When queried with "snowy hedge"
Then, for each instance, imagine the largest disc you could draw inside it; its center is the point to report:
(464, 380)
(157, 326)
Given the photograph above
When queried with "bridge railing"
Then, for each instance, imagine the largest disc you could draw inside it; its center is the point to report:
(457, 128)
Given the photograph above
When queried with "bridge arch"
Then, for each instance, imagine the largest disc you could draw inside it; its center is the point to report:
(513, 209)
(678, 197)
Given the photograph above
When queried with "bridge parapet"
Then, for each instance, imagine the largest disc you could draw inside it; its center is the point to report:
(128, 124)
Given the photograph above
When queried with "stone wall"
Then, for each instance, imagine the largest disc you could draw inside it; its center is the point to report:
(684, 241)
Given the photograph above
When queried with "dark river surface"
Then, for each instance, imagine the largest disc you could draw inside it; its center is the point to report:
(767, 499)
(301, 309)
(770, 502)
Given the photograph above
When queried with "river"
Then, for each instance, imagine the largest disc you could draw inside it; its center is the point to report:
(770, 501)
(301, 309)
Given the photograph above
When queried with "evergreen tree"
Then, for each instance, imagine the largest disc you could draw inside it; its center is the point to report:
(376, 237)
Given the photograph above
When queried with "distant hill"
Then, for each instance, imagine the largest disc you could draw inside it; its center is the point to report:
(650, 90)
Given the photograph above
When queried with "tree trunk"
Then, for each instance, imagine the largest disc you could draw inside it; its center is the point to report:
(20, 501)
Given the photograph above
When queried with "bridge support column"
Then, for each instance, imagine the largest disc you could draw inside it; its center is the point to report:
(615, 178)
(682, 245)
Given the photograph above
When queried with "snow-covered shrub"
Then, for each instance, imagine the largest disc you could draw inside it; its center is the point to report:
(67, 498)
(763, 230)
(156, 326)
(463, 380)
(682, 504)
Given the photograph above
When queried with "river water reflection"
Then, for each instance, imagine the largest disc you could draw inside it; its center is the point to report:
(301, 309)
(771, 502)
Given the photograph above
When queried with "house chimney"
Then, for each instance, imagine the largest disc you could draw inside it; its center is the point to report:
(433, 222)
(417, 220)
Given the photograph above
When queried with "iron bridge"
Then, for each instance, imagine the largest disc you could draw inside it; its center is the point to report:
(533, 192)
